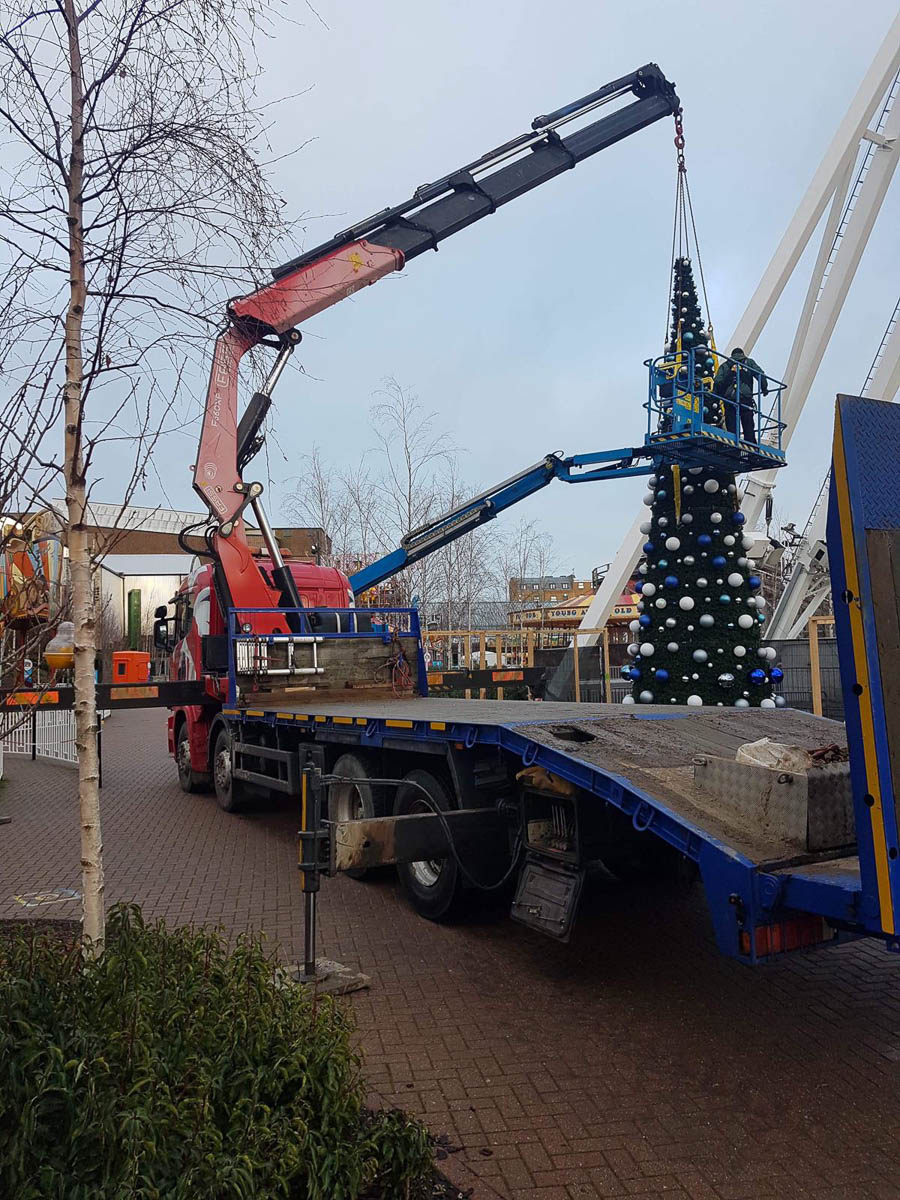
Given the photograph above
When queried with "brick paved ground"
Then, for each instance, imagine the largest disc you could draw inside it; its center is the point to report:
(633, 1062)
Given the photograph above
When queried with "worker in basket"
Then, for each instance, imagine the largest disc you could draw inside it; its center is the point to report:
(725, 385)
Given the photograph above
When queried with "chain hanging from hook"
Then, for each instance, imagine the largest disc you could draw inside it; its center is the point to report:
(684, 232)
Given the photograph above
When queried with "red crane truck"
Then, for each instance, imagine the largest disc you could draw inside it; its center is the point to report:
(291, 686)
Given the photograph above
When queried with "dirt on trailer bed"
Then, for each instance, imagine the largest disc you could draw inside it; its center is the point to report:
(655, 751)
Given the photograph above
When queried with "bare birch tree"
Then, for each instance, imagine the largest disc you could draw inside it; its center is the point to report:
(135, 200)
(522, 551)
(412, 453)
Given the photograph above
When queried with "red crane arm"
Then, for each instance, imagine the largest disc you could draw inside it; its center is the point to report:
(353, 259)
(277, 308)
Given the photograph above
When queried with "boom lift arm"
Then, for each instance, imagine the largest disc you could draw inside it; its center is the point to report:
(354, 258)
(419, 543)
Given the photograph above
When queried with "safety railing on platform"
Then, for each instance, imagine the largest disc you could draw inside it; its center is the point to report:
(736, 422)
(295, 651)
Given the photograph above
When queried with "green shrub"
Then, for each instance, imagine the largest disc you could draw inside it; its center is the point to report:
(176, 1067)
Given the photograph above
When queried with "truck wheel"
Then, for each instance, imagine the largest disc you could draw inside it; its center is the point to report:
(231, 794)
(432, 886)
(190, 780)
(350, 801)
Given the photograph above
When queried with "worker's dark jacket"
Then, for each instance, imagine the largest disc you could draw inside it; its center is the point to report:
(724, 383)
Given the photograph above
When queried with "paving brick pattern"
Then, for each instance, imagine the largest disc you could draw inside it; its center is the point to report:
(633, 1062)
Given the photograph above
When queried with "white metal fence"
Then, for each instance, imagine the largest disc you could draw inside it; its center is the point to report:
(47, 734)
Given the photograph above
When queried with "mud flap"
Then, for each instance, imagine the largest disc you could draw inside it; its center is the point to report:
(547, 897)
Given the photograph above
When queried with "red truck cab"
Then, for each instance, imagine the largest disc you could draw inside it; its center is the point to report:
(196, 638)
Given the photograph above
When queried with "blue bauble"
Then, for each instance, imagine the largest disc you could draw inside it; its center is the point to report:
(645, 619)
(649, 547)
(723, 599)
(670, 581)
(754, 581)
(661, 494)
(634, 673)
(738, 518)
(776, 674)
(639, 586)
(687, 337)
(757, 676)
(704, 539)
(718, 561)
(662, 563)
(661, 674)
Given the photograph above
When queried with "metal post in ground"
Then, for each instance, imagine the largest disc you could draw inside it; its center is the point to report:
(310, 830)
(309, 935)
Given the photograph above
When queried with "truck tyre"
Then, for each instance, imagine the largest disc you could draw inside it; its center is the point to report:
(433, 887)
(350, 801)
(190, 780)
(231, 794)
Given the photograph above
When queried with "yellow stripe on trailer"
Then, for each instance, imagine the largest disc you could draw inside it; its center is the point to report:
(399, 724)
(255, 712)
(867, 723)
(437, 725)
(342, 720)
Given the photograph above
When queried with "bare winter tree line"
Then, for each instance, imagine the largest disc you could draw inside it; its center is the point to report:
(135, 197)
(412, 473)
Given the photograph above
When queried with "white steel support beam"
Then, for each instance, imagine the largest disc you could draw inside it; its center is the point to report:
(829, 184)
(886, 380)
(806, 356)
(809, 581)
(809, 577)
(871, 91)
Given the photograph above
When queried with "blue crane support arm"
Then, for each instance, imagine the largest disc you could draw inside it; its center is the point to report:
(488, 504)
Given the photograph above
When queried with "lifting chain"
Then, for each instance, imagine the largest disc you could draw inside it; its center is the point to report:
(679, 142)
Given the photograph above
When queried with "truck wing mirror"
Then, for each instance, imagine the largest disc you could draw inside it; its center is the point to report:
(161, 633)
(161, 612)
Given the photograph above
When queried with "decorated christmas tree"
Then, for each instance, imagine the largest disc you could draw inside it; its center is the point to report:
(698, 637)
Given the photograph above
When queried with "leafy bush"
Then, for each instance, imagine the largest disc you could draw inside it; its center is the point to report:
(176, 1067)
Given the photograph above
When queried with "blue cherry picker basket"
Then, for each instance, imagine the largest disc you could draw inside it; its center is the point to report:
(689, 422)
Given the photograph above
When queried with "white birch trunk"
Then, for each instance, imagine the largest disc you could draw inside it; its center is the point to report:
(94, 919)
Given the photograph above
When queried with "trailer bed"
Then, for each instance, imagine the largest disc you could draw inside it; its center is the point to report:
(598, 746)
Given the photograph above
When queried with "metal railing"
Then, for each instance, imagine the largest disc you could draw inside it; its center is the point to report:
(43, 733)
(682, 395)
(592, 675)
(295, 651)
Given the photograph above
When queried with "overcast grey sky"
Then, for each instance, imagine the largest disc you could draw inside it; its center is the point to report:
(527, 332)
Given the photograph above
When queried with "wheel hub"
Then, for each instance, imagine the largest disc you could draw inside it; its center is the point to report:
(427, 871)
(184, 756)
(223, 771)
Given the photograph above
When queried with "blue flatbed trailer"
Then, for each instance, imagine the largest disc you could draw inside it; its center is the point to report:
(641, 764)
(788, 859)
